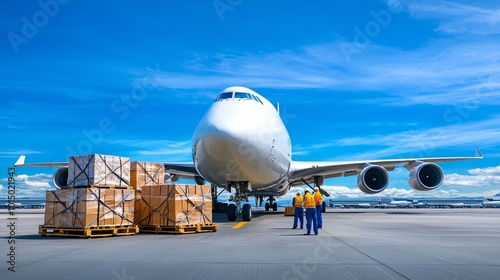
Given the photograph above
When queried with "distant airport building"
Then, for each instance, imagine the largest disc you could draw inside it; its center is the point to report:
(388, 202)
(32, 203)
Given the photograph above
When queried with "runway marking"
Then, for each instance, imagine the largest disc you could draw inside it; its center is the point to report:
(238, 225)
(339, 235)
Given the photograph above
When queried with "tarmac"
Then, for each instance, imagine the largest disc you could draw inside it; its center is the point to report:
(353, 244)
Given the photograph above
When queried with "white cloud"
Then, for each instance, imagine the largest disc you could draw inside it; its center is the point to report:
(479, 177)
(29, 185)
(489, 171)
(457, 18)
(420, 143)
(448, 71)
(158, 150)
(17, 153)
(343, 191)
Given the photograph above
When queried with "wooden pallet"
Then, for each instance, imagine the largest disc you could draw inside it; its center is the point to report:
(105, 231)
(195, 228)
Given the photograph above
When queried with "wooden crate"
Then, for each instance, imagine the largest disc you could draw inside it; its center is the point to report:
(173, 205)
(146, 173)
(98, 170)
(289, 211)
(89, 207)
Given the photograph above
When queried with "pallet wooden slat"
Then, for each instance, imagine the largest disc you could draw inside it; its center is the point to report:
(194, 228)
(90, 232)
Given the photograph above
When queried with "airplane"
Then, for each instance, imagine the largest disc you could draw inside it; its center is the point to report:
(396, 204)
(492, 204)
(242, 144)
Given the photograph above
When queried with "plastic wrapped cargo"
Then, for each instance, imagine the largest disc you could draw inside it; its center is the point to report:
(174, 205)
(89, 207)
(146, 173)
(99, 170)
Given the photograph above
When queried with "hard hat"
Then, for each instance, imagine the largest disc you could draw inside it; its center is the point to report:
(316, 189)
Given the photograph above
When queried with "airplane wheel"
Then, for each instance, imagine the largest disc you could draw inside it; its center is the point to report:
(275, 206)
(247, 212)
(231, 212)
(323, 207)
(267, 206)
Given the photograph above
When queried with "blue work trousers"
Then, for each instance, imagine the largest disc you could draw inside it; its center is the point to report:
(311, 217)
(319, 210)
(299, 215)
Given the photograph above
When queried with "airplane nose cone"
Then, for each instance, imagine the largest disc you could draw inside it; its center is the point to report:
(234, 142)
(223, 142)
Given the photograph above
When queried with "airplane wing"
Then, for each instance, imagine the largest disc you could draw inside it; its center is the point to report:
(185, 170)
(307, 171)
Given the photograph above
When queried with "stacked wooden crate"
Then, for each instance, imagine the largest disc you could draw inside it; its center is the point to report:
(98, 200)
(175, 209)
(146, 174)
(98, 170)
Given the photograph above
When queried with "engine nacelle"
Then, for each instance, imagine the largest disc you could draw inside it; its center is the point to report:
(426, 177)
(199, 180)
(373, 179)
(60, 178)
(172, 177)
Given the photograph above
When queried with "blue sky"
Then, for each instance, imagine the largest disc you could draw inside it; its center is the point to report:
(354, 79)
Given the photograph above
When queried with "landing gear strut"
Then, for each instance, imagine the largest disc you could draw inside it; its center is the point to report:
(239, 202)
(271, 203)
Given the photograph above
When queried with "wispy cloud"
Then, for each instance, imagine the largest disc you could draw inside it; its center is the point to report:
(448, 71)
(472, 134)
(158, 150)
(17, 153)
(457, 18)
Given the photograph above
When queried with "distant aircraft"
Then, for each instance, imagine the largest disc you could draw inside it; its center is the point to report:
(396, 204)
(241, 144)
(492, 204)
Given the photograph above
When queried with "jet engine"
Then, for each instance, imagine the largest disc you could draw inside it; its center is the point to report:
(373, 179)
(426, 176)
(199, 180)
(60, 177)
(172, 177)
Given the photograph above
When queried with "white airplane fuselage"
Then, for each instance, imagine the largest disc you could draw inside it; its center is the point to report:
(243, 140)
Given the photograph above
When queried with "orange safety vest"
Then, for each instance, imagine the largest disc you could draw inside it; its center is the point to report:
(298, 201)
(318, 198)
(309, 201)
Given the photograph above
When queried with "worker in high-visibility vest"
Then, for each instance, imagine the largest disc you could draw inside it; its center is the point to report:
(318, 199)
(298, 204)
(310, 213)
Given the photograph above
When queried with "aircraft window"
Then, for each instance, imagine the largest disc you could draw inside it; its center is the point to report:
(242, 95)
(225, 95)
(256, 98)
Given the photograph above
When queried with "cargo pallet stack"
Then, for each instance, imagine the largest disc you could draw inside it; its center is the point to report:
(98, 200)
(170, 208)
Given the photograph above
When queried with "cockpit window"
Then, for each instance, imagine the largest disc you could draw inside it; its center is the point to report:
(256, 98)
(224, 95)
(242, 95)
(238, 95)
